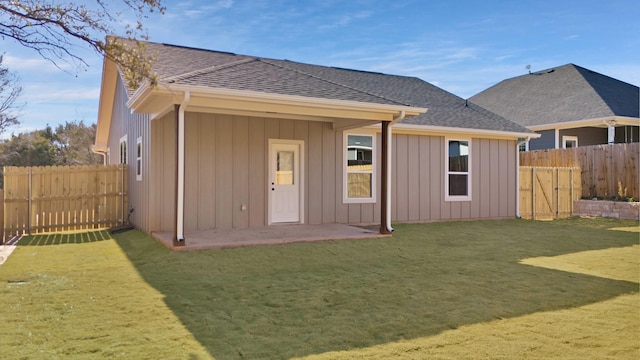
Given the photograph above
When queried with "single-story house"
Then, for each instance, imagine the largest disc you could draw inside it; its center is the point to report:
(568, 106)
(229, 141)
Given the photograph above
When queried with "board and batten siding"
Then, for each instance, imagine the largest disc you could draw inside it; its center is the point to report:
(133, 126)
(418, 180)
(227, 166)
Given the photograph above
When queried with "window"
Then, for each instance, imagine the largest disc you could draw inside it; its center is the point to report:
(139, 159)
(569, 142)
(123, 150)
(457, 173)
(359, 169)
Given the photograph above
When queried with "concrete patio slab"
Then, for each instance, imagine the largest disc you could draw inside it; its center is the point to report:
(263, 236)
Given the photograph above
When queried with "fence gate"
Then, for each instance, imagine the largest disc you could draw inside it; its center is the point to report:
(548, 193)
(63, 198)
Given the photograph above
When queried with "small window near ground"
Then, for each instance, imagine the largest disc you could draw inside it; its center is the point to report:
(123, 150)
(457, 173)
(569, 142)
(139, 159)
(359, 169)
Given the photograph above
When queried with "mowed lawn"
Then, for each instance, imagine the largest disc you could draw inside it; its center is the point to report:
(486, 289)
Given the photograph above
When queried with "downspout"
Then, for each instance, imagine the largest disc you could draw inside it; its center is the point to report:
(518, 143)
(389, 164)
(180, 176)
(103, 153)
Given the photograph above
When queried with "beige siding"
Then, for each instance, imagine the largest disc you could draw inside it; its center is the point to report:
(227, 166)
(418, 186)
(132, 125)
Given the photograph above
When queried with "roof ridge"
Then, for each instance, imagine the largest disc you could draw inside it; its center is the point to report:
(208, 69)
(271, 62)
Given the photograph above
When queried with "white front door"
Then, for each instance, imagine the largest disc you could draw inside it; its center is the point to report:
(284, 181)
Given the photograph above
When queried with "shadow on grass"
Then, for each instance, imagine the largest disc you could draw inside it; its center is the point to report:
(302, 299)
(64, 238)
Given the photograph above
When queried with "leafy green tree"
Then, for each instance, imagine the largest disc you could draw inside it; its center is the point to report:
(10, 90)
(54, 28)
(69, 144)
(73, 141)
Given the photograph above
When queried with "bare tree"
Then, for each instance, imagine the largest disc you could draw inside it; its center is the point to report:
(54, 28)
(10, 90)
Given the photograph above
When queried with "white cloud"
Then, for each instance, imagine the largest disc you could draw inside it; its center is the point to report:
(32, 64)
(345, 20)
(44, 92)
(199, 11)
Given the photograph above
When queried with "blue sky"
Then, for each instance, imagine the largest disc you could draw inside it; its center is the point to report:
(461, 46)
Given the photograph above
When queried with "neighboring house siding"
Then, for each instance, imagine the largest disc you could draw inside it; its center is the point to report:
(418, 180)
(546, 141)
(133, 126)
(627, 134)
(586, 135)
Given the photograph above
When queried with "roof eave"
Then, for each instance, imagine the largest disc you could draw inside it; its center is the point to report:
(105, 106)
(149, 99)
(596, 122)
(444, 130)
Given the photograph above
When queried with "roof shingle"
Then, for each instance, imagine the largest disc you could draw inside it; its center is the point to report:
(561, 94)
(190, 66)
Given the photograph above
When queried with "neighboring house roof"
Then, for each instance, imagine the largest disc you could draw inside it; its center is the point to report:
(567, 93)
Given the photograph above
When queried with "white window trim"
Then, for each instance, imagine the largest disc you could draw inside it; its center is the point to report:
(138, 166)
(448, 197)
(566, 138)
(126, 154)
(374, 170)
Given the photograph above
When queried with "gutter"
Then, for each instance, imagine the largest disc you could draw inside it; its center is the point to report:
(100, 152)
(389, 139)
(181, 172)
(518, 143)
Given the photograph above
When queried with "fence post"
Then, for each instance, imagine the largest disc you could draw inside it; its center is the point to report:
(533, 193)
(30, 194)
(571, 189)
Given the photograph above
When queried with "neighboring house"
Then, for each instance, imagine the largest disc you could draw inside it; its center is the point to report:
(232, 141)
(568, 105)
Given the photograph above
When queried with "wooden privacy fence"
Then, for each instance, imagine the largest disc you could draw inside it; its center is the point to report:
(606, 169)
(548, 193)
(63, 198)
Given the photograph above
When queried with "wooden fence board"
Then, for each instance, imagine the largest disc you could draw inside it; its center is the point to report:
(63, 198)
(548, 193)
(607, 170)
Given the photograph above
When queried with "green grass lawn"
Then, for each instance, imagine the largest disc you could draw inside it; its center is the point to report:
(459, 289)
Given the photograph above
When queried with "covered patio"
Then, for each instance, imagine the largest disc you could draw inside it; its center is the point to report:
(263, 236)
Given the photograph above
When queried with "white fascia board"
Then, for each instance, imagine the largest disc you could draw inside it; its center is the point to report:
(105, 105)
(177, 91)
(597, 122)
(444, 130)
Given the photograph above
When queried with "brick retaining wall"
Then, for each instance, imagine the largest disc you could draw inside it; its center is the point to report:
(610, 209)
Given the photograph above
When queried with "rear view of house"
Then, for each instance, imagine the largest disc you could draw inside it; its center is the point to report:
(231, 141)
(568, 105)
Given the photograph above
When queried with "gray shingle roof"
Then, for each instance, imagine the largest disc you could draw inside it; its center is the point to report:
(561, 94)
(189, 66)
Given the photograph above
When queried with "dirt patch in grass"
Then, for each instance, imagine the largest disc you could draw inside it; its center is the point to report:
(420, 291)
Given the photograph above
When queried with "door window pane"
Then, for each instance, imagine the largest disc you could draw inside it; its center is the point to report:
(284, 167)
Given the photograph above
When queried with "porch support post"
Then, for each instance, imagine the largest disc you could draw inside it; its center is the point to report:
(384, 188)
(611, 131)
(177, 241)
